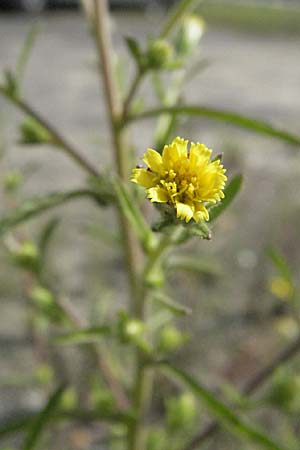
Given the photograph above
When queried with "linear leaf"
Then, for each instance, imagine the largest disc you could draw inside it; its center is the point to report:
(37, 205)
(41, 421)
(280, 263)
(226, 415)
(193, 264)
(84, 336)
(255, 125)
(171, 305)
(13, 425)
(46, 235)
(134, 48)
(231, 190)
(26, 50)
(133, 214)
(26, 419)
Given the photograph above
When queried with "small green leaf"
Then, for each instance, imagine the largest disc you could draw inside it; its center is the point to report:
(46, 235)
(21, 422)
(134, 48)
(280, 263)
(16, 424)
(231, 190)
(37, 205)
(41, 421)
(193, 264)
(11, 86)
(228, 418)
(134, 215)
(32, 132)
(171, 305)
(26, 50)
(199, 229)
(84, 336)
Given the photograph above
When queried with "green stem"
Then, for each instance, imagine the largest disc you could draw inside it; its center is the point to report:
(132, 91)
(143, 377)
(114, 109)
(176, 15)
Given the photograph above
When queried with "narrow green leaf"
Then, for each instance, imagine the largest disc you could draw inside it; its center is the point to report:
(10, 88)
(133, 214)
(280, 263)
(39, 424)
(171, 305)
(193, 264)
(231, 190)
(32, 133)
(255, 125)
(134, 48)
(37, 205)
(46, 235)
(26, 50)
(15, 424)
(84, 336)
(10, 426)
(226, 415)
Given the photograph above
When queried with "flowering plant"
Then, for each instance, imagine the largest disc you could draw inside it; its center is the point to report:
(135, 348)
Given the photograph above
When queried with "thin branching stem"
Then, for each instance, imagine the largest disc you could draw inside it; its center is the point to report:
(56, 137)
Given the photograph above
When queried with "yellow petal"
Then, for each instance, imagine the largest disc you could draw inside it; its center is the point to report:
(184, 211)
(153, 160)
(199, 154)
(144, 177)
(158, 195)
(173, 152)
(200, 213)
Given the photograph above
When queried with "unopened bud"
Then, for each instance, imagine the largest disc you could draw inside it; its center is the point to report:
(189, 34)
(159, 54)
(170, 339)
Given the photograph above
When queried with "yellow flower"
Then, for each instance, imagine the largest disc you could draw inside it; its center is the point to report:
(184, 178)
(280, 287)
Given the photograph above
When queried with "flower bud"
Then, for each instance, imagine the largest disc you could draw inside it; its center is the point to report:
(44, 374)
(42, 297)
(27, 256)
(281, 288)
(181, 411)
(133, 329)
(44, 300)
(159, 54)
(285, 391)
(170, 339)
(156, 440)
(189, 34)
(12, 181)
(69, 399)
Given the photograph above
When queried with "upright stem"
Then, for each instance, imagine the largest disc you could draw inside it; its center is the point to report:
(142, 384)
(114, 109)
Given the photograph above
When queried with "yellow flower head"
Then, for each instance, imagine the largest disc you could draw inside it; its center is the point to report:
(184, 178)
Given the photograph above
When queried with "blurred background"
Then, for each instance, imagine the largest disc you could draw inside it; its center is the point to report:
(252, 55)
